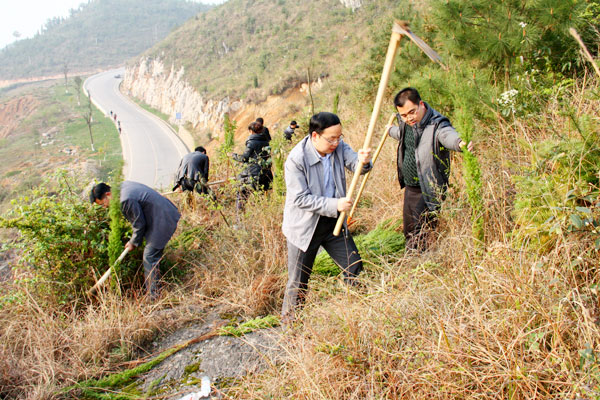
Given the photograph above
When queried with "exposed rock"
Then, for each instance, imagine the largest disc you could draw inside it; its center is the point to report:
(221, 358)
(353, 4)
(167, 91)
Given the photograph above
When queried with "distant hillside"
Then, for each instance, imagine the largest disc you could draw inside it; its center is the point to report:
(99, 33)
(250, 48)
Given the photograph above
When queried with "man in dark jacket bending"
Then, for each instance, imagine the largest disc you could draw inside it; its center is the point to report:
(152, 217)
(193, 172)
(425, 138)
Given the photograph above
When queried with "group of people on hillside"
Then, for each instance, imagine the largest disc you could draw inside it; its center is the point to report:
(316, 191)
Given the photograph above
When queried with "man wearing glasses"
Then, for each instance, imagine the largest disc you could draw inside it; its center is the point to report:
(316, 192)
(424, 139)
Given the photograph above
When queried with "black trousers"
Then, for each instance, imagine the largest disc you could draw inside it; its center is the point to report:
(416, 219)
(342, 250)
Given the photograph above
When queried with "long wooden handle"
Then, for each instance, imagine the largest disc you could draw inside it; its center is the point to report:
(366, 176)
(585, 50)
(107, 273)
(385, 77)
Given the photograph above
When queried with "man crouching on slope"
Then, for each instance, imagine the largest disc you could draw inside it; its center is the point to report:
(152, 216)
(316, 190)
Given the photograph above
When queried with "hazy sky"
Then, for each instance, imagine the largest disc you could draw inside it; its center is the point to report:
(27, 16)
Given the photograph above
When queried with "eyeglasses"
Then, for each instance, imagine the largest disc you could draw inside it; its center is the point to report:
(333, 141)
(411, 113)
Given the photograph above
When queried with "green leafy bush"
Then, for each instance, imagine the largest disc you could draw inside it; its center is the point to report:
(559, 192)
(120, 231)
(229, 126)
(472, 171)
(62, 239)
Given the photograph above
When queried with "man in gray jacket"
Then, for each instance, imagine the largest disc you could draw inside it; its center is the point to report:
(288, 133)
(424, 140)
(193, 172)
(316, 192)
(152, 217)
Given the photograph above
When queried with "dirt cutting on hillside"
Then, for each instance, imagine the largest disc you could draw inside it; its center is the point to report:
(14, 111)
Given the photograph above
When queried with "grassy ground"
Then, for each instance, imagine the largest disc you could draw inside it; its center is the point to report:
(56, 136)
(456, 322)
(514, 316)
(152, 110)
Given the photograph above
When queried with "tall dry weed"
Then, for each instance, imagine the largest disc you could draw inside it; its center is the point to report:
(456, 323)
(44, 349)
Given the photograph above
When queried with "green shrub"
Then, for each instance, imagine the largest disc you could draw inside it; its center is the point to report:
(472, 170)
(62, 239)
(558, 193)
(278, 157)
(229, 126)
(120, 231)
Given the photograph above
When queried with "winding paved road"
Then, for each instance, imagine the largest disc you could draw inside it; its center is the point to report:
(151, 149)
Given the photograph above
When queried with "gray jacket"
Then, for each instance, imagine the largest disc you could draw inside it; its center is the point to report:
(304, 202)
(152, 216)
(193, 166)
(288, 132)
(434, 137)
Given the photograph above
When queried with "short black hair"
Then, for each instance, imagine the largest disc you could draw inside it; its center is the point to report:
(321, 121)
(408, 93)
(260, 120)
(200, 149)
(293, 123)
(98, 192)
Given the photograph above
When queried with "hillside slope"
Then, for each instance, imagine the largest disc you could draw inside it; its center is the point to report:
(248, 49)
(99, 33)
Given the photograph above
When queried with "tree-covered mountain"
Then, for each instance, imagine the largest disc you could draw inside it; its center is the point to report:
(99, 33)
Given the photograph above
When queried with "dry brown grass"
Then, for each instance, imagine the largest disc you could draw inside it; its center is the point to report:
(44, 349)
(453, 323)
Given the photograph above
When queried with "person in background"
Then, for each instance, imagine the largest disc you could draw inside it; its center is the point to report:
(288, 133)
(257, 173)
(152, 216)
(316, 193)
(192, 173)
(425, 138)
(263, 128)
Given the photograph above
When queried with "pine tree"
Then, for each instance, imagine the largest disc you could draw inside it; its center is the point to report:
(118, 228)
(500, 32)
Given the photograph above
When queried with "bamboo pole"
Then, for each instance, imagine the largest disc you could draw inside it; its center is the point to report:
(366, 176)
(584, 49)
(385, 77)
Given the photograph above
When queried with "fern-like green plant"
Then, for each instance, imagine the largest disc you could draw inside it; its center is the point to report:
(381, 241)
(472, 171)
(117, 231)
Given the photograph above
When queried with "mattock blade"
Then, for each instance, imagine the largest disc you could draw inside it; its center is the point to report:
(402, 28)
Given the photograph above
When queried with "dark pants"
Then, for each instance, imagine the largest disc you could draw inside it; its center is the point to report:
(416, 219)
(251, 183)
(152, 257)
(342, 250)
